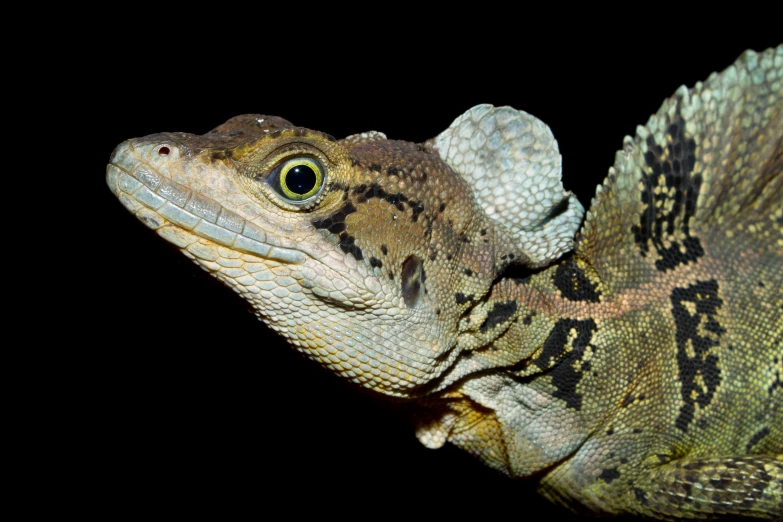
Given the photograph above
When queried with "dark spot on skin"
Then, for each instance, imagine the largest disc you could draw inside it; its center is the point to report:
(641, 496)
(375, 167)
(462, 298)
(468, 272)
(334, 187)
(610, 431)
(561, 357)
(500, 313)
(636, 430)
(384, 249)
(623, 460)
(559, 207)
(275, 134)
(428, 229)
(755, 439)
(433, 255)
(347, 245)
(573, 283)
(335, 222)
(657, 221)
(483, 232)
(417, 209)
(391, 275)
(392, 171)
(608, 475)
(412, 278)
(721, 484)
(449, 257)
(375, 262)
(355, 162)
(442, 208)
(630, 399)
(703, 366)
(437, 312)
(777, 383)
(463, 237)
(528, 319)
(399, 200)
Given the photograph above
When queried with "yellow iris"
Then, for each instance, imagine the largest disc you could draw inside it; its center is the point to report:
(300, 178)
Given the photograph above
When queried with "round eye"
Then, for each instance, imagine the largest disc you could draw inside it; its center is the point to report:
(297, 179)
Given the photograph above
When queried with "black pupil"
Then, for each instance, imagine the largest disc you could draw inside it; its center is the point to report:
(300, 179)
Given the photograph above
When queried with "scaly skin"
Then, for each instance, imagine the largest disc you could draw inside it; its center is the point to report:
(639, 374)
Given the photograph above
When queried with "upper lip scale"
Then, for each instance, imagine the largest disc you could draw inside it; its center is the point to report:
(241, 235)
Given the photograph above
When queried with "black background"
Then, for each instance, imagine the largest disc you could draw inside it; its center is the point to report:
(182, 402)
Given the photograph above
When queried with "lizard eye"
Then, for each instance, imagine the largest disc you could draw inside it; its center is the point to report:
(297, 180)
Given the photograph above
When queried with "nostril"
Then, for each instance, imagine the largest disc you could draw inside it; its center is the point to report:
(164, 151)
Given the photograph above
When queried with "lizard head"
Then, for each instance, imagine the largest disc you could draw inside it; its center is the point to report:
(365, 253)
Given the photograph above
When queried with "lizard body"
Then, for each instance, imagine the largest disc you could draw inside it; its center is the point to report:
(638, 374)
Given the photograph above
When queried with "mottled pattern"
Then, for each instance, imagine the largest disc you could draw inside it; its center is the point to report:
(670, 194)
(638, 374)
(698, 335)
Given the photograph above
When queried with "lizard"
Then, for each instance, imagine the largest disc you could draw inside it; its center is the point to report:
(636, 366)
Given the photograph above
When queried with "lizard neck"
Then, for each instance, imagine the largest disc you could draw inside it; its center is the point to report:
(527, 353)
(518, 326)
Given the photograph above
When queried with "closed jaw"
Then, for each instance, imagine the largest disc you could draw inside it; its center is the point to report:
(193, 212)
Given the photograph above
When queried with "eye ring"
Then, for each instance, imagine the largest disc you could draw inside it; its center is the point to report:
(297, 180)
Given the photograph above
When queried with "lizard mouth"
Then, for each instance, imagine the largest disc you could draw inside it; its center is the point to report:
(158, 201)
